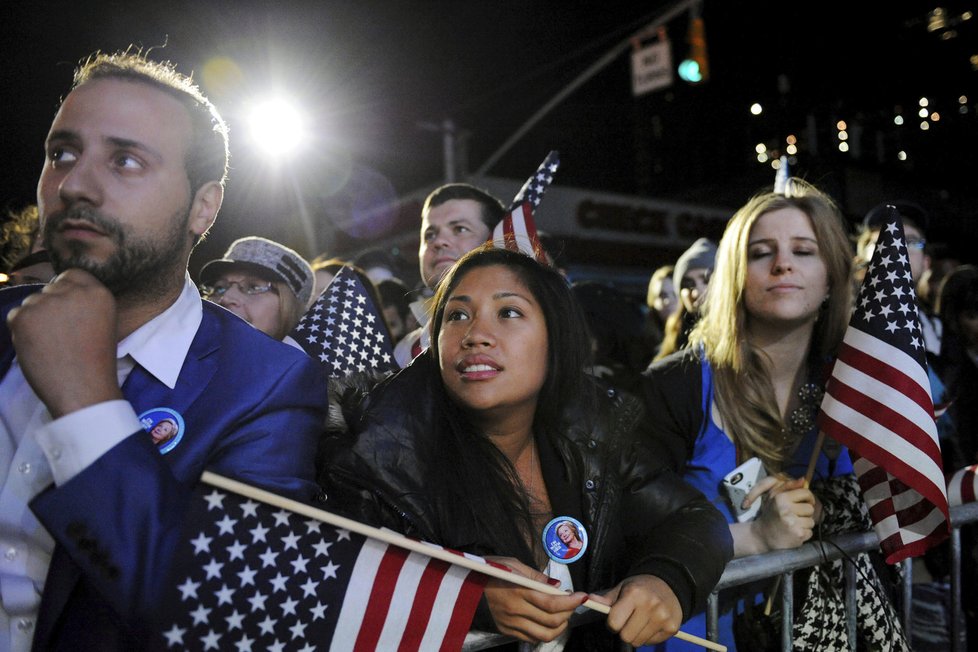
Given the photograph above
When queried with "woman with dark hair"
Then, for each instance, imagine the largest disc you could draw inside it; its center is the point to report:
(496, 430)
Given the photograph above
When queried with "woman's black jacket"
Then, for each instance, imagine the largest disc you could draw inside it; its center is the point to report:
(640, 516)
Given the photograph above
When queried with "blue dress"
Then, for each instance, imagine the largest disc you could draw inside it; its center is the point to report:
(714, 456)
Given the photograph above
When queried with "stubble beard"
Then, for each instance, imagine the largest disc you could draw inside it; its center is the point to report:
(139, 268)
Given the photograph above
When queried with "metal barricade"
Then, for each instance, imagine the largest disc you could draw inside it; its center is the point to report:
(785, 562)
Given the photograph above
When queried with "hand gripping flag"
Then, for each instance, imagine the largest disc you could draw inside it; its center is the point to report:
(878, 403)
(345, 330)
(517, 230)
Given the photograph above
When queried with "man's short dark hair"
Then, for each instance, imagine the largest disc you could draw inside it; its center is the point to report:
(207, 151)
(492, 209)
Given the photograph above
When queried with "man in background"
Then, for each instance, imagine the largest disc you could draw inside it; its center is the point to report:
(455, 219)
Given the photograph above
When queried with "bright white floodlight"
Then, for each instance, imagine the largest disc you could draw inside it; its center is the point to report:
(277, 127)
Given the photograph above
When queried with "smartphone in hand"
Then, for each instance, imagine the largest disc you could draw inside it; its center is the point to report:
(738, 484)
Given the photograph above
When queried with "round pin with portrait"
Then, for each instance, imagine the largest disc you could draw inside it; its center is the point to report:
(565, 539)
(165, 426)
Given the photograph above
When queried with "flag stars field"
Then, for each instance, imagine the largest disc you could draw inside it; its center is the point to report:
(343, 341)
(229, 586)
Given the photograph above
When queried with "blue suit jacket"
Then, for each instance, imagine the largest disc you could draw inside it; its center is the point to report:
(253, 410)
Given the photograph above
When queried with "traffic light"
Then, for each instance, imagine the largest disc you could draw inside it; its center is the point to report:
(696, 67)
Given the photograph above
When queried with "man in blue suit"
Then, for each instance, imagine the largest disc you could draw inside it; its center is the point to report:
(118, 343)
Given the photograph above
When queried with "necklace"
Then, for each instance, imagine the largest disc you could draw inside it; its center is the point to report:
(802, 418)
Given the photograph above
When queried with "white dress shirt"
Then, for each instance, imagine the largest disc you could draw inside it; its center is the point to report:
(932, 329)
(421, 336)
(36, 450)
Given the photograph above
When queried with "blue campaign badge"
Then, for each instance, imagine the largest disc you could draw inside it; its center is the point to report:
(165, 426)
(564, 539)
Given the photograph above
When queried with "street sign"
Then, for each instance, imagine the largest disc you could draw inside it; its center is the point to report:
(651, 68)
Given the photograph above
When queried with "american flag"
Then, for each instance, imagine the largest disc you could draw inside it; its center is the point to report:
(878, 403)
(252, 576)
(517, 230)
(963, 486)
(344, 329)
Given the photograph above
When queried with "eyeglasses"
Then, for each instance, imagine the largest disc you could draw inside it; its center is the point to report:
(916, 243)
(248, 288)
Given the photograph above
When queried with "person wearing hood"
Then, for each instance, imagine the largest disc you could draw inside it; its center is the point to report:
(690, 277)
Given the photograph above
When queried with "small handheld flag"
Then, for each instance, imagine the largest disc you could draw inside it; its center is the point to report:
(878, 403)
(345, 330)
(260, 571)
(254, 574)
(517, 230)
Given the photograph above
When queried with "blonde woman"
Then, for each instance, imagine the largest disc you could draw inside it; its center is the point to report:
(263, 282)
(750, 383)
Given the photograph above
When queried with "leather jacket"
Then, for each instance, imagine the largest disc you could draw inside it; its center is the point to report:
(640, 517)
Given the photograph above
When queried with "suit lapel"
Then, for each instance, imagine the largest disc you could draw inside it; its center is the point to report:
(145, 392)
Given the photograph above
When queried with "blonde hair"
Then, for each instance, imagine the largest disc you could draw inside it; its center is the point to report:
(290, 310)
(743, 389)
(655, 284)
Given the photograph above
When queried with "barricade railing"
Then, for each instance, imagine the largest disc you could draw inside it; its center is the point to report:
(784, 563)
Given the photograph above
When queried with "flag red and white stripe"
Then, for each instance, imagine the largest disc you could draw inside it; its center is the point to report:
(963, 487)
(442, 598)
(517, 230)
(878, 404)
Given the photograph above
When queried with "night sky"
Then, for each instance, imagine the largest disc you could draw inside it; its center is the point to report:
(369, 73)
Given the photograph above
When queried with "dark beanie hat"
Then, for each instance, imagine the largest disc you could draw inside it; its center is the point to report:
(700, 255)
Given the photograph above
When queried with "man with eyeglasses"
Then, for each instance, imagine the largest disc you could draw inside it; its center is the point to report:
(90, 507)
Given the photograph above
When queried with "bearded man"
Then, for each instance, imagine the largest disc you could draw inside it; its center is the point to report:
(133, 177)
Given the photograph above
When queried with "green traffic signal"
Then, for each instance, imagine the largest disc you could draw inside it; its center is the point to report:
(689, 70)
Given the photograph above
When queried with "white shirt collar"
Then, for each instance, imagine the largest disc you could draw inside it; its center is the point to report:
(161, 344)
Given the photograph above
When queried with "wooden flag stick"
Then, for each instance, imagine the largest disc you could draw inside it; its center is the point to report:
(813, 460)
(401, 541)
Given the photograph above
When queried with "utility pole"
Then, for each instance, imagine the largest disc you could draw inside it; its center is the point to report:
(452, 139)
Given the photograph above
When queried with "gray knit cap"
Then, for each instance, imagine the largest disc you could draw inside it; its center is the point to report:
(266, 256)
(700, 255)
